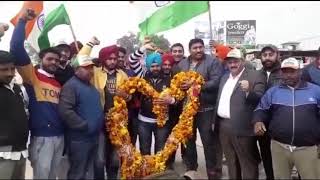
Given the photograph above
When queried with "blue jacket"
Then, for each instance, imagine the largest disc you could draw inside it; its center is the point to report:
(292, 114)
(80, 109)
(311, 73)
(42, 88)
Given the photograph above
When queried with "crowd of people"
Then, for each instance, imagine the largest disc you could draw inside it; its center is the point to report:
(247, 115)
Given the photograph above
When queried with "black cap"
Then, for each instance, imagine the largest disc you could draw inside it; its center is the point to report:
(269, 47)
(6, 57)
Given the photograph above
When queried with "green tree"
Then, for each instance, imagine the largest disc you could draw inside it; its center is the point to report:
(131, 42)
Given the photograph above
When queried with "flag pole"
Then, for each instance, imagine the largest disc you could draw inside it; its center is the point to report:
(210, 25)
(210, 21)
(74, 38)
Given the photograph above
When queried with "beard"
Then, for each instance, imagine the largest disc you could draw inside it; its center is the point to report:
(267, 64)
(155, 74)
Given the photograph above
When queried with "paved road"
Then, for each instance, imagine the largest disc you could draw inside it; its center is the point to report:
(179, 166)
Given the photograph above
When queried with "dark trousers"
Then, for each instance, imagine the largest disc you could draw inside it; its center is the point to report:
(241, 153)
(145, 136)
(112, 160)
(81, 157)
(265, 152)
(100, 160)
(133, 124)
(211, 146)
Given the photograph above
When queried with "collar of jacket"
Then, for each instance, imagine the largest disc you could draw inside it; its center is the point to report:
(203, 58)
(106, 71)
(302, 85)
(277, 67)
(65, 66)
(43, 72)
(149, 75)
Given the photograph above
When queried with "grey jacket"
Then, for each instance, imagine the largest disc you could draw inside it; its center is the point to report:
(211, 70)
(242, 106)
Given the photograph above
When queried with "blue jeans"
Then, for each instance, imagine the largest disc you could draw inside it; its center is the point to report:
(145, 130)
(81, 156)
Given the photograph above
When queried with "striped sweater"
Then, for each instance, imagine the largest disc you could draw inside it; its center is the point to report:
(42, 88)
(135, 62)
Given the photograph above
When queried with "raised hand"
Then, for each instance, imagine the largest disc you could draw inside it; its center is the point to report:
(94, 40)
(148, 44)
(3, 27)
(29, 15)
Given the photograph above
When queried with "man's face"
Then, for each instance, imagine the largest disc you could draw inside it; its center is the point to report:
(111, 62)
(166, 67)
(85, 73)
(269, 58)
(235, 65)
(7, 72)
(177, 53)
(197, 51)
(214, 51)
(50, 62)
(121, 59)
(155, 69)
(65, 54)
(290, 76)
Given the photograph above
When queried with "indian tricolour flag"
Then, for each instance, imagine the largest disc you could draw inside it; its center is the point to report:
(170, 15)
(47, 18)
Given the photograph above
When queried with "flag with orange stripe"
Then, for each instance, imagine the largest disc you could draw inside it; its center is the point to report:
(33, 28)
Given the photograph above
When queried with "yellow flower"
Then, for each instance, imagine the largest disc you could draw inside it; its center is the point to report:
(134, 165)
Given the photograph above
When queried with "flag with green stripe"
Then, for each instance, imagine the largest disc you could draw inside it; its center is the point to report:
(56, 17)
(171, 16)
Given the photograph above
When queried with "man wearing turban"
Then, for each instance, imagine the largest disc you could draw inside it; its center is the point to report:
(147, 119)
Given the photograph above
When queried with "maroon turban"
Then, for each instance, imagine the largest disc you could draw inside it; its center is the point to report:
(168, 57)
(105, 52)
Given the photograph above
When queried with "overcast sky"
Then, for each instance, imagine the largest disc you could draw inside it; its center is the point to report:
(277, 22)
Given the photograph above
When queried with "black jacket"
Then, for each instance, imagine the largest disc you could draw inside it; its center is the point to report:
(176, 109)
(274, 78)
(146, 102)
(13, 119)
(63, 75)
(211, 70)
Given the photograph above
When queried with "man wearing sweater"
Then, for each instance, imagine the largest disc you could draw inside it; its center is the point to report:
(80, 108)
(46, 126)
(14, 130)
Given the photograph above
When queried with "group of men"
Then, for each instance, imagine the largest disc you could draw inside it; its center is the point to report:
(248, 115)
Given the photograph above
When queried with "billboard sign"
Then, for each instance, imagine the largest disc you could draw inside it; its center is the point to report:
(241, 32)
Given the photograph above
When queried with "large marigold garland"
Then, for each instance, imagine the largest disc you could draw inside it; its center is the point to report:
(133, 164)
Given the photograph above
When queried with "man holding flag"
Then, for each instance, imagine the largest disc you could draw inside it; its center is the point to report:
(47, 129)
(38, 28)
